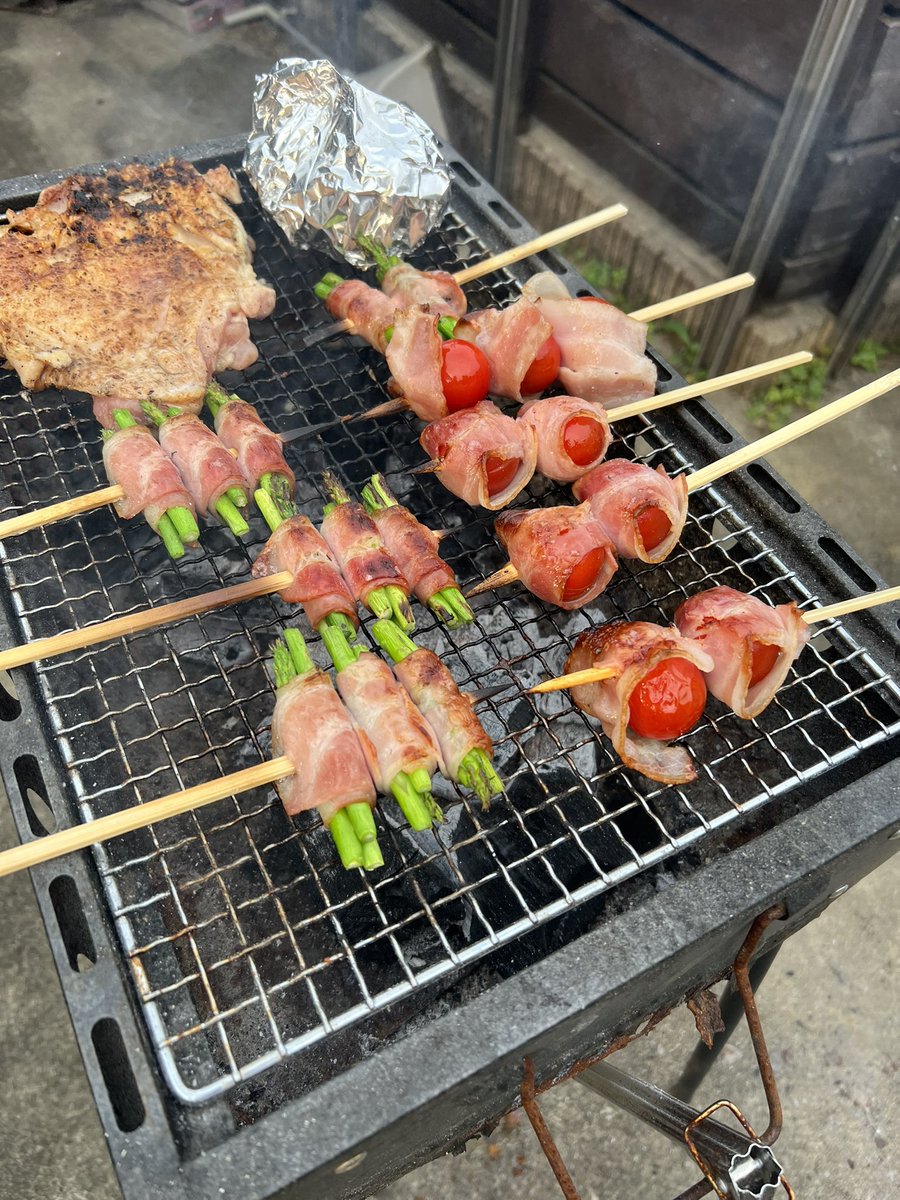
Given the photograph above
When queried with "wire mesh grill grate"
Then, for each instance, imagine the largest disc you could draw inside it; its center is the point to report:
(246, 941)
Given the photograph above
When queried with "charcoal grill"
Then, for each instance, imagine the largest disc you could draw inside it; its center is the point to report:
(252, 1016)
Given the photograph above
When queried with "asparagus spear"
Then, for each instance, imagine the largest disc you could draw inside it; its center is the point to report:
(352, 827)
(412, 790)
(176, 526)
(227, 506)
(475, 770)
(448, 603)
(278, 493)
(383, 260)
(389, 601)
(329, 282)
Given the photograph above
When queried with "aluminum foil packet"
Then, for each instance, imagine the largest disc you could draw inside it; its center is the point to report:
(326, 153)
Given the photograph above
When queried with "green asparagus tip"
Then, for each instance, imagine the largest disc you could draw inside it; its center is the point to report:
(322, 290)
(268, 508)
(123, 418)
(169, 535)
(303, 664)
(185, 524)
(280, 491)
(106, 434)
(237, 496)
(400, 607)
(283, 663)
(362, 821)
(348, 844)
(216, 397)
(393, 640)
(476, 772)
(372, 856)
(377, 495)
(154, 412)
(412, 804)
(231, 517)
(446, 326)
(341, 652)
(334, 489)
(451, 606)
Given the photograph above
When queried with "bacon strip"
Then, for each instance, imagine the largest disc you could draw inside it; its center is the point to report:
(298, 547)
(414, 548)
(549, 418)
(258, 450)
(311, 726)
(619, 491)
(726, 623)
(462, 442)
(635, 648)
(546, 544)
(510, 338)
(399, 738)
(602, 350)
(450, 714)
(206, 467)
(138, 464)
(370, 310)
(358, 547)
(414, 357)
(436, 291)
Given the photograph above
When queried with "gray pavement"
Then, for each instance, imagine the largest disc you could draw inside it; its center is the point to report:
(91, 80)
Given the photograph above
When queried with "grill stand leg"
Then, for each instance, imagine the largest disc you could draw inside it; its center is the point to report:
(733, 1166)
(702, 1059)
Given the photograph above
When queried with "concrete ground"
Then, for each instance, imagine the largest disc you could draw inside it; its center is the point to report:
(90, 80)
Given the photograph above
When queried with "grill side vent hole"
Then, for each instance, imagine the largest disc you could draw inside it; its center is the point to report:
(773, 488)
(848, 565)
(465, 174)
(118, 1076)
(41, 818)
(508, 218)
(72, 923)
(708, 422)
(9, 698)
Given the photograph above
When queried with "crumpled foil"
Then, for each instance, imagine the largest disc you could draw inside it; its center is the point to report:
(327, 153)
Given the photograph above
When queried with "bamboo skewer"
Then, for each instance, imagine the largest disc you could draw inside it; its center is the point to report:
(692, 299)
(58, 512)
(139, 815)
(747, 454)
(827, 613)
(148, 618)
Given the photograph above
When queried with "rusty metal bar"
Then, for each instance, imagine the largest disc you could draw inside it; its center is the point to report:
(543, 1134)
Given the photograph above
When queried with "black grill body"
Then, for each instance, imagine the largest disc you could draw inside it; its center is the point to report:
(256, 1018)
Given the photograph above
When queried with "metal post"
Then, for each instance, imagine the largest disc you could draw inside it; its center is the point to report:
(509, 80)
(801, 122)
(702, 1059)
(860, 305)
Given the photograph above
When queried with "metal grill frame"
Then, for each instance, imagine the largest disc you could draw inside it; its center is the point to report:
(789, 526)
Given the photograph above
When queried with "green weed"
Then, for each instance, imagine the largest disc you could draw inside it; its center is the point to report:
(799, 388)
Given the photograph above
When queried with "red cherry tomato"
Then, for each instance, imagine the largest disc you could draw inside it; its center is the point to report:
(544, 370)
(500, 471)
(583, 439)
(465, 374)
(653, 525)
(583, 575)
(668, 701)
(763, 660)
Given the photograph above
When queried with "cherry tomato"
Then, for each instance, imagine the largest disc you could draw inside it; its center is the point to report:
(583, 575)
(668, 701)
(465, 374)
(544, 370)
(763, 660)
(653, 525)
(583, 439)
(500, 471)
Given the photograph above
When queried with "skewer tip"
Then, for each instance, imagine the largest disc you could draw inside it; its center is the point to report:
(507, 574)
(575, 679)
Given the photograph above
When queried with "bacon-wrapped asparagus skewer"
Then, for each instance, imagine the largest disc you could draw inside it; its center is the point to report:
(208, 470)
(414, 548)
(311, 727)
(257, 450)
(465, 746)
(400, 746)
(371, 573)
(149, 482)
